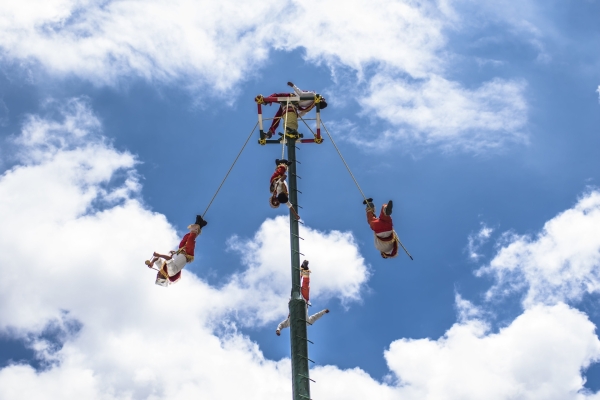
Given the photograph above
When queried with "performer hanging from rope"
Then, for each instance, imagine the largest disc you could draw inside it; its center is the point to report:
(278, 187)
(170, 266)
(289, 112)
(305, 281)
(310, 320)
(386, 240)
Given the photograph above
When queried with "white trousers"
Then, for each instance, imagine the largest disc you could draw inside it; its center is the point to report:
(384, 247)
(310, 320)
(173, 266)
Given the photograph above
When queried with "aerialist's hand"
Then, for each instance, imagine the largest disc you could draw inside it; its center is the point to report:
(277, 332)
(290, 84)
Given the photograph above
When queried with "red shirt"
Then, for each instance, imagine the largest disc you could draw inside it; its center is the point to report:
(188, 243)
(381, 224)
(281, 170)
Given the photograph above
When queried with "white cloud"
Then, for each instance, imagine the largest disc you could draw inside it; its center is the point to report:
(338, 269)
(398, 49)
(206, 43)
(561, 263)
(72, 245)
(435, 111)
(475, 241)
(71, 253)
(538, 356)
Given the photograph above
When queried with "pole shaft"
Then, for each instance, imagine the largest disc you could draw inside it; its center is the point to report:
(298, 312)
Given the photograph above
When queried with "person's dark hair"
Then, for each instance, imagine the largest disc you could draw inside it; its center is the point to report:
(282, 197)
(322, 104)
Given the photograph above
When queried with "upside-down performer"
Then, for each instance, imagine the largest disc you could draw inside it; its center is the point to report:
(310, 320)
(278, 187)
(170, 266)
(291, 111)
(386, 240)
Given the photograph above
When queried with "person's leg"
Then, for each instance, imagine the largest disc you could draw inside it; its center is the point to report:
(275, 122)
(383, 217)
(172, 267)
(388, 208)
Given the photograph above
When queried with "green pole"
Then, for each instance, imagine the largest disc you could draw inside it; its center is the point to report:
(298, 312)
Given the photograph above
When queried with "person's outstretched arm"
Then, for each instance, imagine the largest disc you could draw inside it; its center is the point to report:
(283, 324)
(311, 320)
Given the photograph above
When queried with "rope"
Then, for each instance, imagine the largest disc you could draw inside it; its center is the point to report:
(342, 157)
(361, 192)
(230, 168)
(309, 128)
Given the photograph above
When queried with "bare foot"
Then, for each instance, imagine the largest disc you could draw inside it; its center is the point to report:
(326, 310)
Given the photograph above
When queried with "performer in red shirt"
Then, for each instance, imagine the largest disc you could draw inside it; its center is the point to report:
(386, 240)
(305, 281)
(170, 266)
(278, 187)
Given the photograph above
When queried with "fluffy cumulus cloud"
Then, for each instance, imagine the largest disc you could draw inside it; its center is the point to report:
(436, 111)
(100, 332)
(561, 263)
(538, 356)
(73, 289)
(397, 49)
(341, 269)
(203, 42)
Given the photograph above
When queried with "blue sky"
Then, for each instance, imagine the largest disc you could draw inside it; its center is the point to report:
(118, 122)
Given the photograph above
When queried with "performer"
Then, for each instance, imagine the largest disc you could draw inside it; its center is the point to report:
(305, 281)
(278, 187)
(289, 112)
(386, 240)
(170, 266)
(310, 320)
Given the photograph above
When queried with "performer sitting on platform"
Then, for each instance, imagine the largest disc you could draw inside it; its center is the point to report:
(310, 320)
(386, 240)
(169, 271)
(278, 187)
(290, 112)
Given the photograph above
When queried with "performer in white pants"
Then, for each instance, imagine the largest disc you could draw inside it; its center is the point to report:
(170, 266)
(310, 320)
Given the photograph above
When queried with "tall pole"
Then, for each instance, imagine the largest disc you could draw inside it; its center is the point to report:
(298, 312)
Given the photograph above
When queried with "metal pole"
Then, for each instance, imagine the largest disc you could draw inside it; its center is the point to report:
(298, 312)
